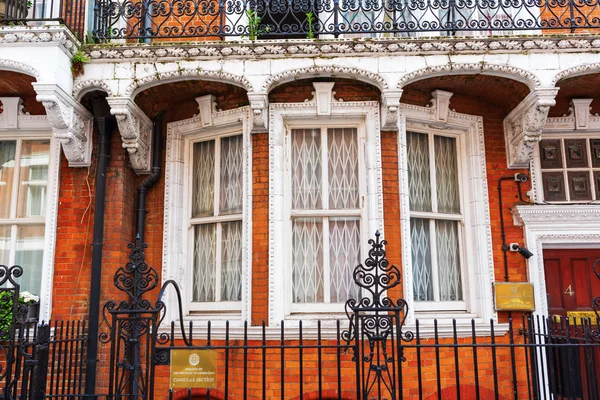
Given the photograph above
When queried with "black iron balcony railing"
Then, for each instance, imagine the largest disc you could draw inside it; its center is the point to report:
(275, 19)
(39, 12)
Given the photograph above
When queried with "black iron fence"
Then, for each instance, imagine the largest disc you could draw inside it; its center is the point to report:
(37, 12)
(529, 358)
(272, 19)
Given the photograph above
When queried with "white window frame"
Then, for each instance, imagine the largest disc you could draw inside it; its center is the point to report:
(178, 230)
(323, 125)
(15, 125)
(437, 305)
(477, 259)
(216, 135)
(281, 116)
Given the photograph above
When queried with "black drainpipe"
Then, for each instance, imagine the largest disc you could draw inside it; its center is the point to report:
(104, 126)
(150, 180)
(140, 235)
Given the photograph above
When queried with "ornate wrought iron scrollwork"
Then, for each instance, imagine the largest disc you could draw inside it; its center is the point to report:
(595, 333)
(376, 323)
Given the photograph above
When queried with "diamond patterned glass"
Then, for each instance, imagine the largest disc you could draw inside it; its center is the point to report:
(231, 261)
(306, 169)
(204, 262)
(307, 260)
(343, 168)
(419, 182)
(446, 171)
(421, 259)
(344, 256)
(204, 179)
(231, 175)
(448, 260)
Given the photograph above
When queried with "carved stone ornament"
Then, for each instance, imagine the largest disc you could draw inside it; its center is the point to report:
(259, 104)
(390, 110)
(136, 132)
(440, 101)
(523, 126)
(71, 123)
(581, 111)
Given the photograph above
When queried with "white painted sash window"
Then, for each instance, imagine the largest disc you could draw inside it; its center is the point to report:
(216, 220)
(436, 219)
(325, 214)
(23, 184)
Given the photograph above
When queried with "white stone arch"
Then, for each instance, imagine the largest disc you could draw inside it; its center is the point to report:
(16, 66)
(526, 77)
(161, 78)
(353, 73)
(81, 88)
(579, 70)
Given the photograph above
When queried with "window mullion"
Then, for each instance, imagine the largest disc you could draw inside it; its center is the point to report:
(218, 257)
(13, 247)
(434, 264)
(16, 178)
(326, 266)
(324, 169)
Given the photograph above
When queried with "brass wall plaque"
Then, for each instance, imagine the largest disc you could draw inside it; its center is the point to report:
(193, 368)
(514, 296)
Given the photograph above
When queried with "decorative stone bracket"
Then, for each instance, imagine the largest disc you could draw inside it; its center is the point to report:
(523, 126)
(71, 123)
(136, 132)
(390, 110)
(259, 104)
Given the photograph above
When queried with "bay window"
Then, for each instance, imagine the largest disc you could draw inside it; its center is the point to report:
(23, 184)
(325, 215)
(216, 221)
(436, 219)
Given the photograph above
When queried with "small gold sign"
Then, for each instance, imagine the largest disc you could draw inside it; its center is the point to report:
(193, 368)
(514, 296)
(579, 317)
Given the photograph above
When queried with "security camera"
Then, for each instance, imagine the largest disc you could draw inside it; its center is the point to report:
(525, 253)
(521, 177)
(513, 247)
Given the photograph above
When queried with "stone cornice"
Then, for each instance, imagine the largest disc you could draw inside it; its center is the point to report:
(342, 47)
(53, 34)
(552, 215)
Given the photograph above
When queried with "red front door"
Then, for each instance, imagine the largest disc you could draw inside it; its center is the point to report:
(571, 283)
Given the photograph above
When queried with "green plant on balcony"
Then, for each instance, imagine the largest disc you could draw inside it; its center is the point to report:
(77, 62)
(310, 18)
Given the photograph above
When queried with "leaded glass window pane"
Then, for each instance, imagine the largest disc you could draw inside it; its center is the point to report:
(343, 168)
(35, 156)
(421, 259)
(446, 172)
(419, 182)
(448, 260)
(231, 175)
(231, 261)
(344, 255)
(7, 170)
(307, 265)
(306, 169)
(29, 255)
(204, 262)
(204, 179)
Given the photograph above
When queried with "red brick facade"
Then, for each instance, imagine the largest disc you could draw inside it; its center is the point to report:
(72, 260)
